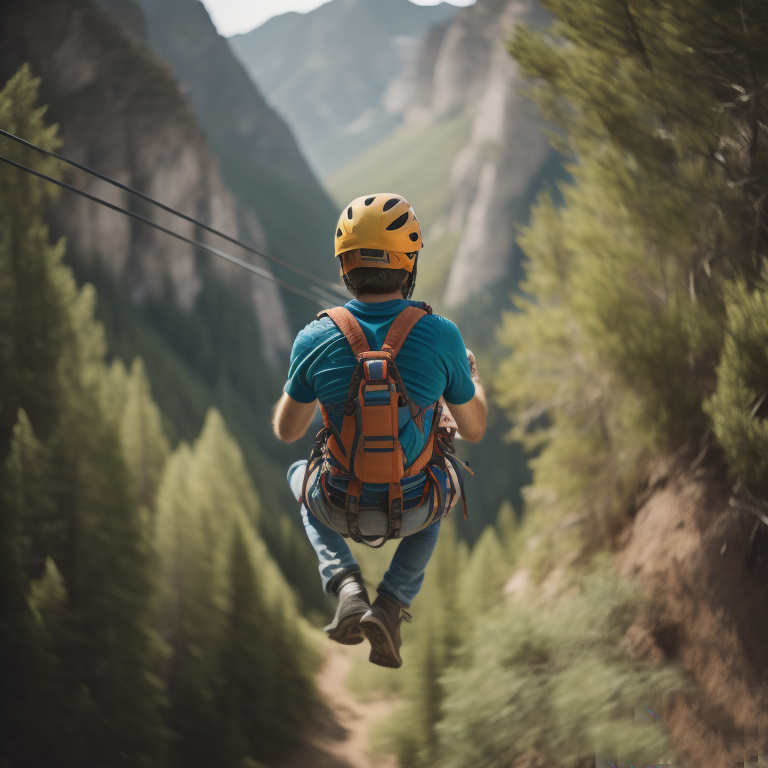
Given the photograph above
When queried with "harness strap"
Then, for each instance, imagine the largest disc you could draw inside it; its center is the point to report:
(401, 327)
(352, 504)
(427, 451)
(346, 322)
(395, 510)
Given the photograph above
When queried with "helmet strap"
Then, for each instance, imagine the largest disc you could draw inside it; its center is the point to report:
(349, 285)
(410, 283)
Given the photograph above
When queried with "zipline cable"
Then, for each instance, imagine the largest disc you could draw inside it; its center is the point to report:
(210, 249)
(319, 281)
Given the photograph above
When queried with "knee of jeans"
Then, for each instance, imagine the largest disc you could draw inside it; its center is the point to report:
(295, 476)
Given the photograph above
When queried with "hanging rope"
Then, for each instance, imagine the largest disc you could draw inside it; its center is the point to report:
(319, 281)
(202, 246)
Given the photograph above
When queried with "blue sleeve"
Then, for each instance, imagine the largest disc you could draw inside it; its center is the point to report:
(299, 386)
(459, 388)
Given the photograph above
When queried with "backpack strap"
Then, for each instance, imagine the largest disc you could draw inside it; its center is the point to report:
(346, 322)
(402, 326)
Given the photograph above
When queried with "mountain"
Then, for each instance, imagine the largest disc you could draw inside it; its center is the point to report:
(463, 115)
(326, 71)
(210, 334)
(259, 157)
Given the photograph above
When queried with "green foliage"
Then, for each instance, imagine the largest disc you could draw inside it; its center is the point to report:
(482, 578)
(84, 569)
(145, 445)
(73, 503)
(738, 408)
(554, 683)
(193, 360)
(616, 343)
(239, 674)
(413, 161)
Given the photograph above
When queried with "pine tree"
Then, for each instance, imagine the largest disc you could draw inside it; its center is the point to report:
(192, 615)
(247, 669)
(432, 643)
(483, 577)
(620, 331)
(73, 502)
(239, 674)
(144, 442)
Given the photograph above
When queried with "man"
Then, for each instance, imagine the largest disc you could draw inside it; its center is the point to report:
(378, 239)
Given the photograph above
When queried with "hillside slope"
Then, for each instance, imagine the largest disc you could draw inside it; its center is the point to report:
(326, 71)
(260, 160)
(209, 334)
(503, 156)
(705, 560)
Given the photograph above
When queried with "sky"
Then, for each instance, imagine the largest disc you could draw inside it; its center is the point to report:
(234, 16)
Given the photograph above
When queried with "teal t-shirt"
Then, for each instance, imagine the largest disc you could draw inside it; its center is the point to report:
(432, 362)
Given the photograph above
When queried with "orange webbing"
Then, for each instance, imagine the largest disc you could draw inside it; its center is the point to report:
(400, 328)
(429, 447)
(345, 321)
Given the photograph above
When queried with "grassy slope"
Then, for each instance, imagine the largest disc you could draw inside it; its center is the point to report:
(414, 161)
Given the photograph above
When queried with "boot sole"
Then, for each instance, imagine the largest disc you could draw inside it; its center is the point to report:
(348, 631)
(383, 651)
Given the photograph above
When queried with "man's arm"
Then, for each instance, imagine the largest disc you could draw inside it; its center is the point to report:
(471, 418)
(291, 419)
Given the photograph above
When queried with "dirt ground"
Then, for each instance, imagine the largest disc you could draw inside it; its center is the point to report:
(338, 735)
(691, 548)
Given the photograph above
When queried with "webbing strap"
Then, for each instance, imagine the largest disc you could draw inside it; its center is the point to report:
(346, 322)
(427, 451)
(400, 328)
(352, 504)
(395, 510)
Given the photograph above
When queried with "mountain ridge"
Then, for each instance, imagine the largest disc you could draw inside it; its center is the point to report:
(361, 44)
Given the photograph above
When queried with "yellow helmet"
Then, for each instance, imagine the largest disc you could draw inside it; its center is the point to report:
(380, 222)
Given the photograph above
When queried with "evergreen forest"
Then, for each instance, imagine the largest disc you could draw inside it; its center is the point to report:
(160, 608)
(139, 599)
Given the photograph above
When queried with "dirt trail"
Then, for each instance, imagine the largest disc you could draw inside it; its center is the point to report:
(338, 735)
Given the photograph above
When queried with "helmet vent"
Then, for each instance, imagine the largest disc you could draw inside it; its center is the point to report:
(414, 236)
(399, 222)
(369, 200)
(338, 233)
(391, 203)
(349, 212)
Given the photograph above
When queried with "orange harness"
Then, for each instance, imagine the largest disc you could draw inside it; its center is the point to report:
(367, 448)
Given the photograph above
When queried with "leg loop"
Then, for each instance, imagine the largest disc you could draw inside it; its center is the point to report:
(395, 510)
(352, 504)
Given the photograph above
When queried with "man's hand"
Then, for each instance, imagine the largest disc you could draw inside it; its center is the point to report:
(291, 419)
(471, 418)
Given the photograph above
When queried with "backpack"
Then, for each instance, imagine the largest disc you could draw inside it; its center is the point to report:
(367, 449)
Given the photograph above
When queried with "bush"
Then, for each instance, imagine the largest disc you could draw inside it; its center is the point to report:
(739, 407)
(554, 683)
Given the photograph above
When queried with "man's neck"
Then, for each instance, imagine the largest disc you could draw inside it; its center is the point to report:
(376, 298)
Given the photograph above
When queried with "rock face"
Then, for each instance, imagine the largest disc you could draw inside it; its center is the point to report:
(121, 111)
(118, 111)
(493, 177)
(326, 71)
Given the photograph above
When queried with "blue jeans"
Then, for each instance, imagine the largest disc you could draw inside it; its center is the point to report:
(405, 575)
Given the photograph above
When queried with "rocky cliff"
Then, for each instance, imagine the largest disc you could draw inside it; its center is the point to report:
(326, 71)
(122, 110)
(260, 159)
(119, 111)
(497, 171)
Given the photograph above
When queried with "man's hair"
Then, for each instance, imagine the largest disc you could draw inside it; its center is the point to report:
(377, 280)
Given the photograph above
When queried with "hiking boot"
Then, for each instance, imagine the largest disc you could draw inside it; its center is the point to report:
(353, 603)
(382, 628)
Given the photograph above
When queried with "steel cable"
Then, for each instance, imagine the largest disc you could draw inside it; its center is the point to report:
(196, 243)
(319, 281)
